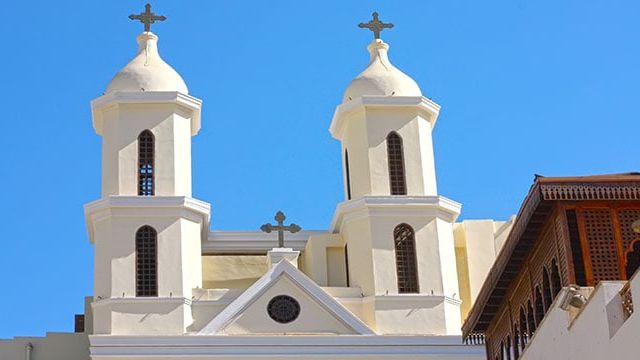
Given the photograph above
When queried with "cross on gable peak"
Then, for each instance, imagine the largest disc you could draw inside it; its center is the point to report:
(147, 17)
(375, 25)
(280, 228)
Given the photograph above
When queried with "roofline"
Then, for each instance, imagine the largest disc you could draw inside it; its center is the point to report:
(619, 187)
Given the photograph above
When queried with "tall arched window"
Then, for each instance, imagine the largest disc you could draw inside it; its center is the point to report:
(395, 156)
(524, 329)
(146, 163)
(556, 282)
(406, 266)
(633, 258)
(546, 290)
(539, 310)
(146, 262)
(531, 321)
(346, 169)
(516, 342)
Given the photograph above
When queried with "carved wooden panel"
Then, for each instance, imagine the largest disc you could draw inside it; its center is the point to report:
(627, 217)
(603, 252)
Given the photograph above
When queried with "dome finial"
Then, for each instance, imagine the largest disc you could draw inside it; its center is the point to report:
(375, 25)
(147, 17)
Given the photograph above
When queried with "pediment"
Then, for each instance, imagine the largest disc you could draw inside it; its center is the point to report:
(298, 306)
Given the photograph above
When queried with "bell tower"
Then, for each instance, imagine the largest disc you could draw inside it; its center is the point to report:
(398, 230)
(146, 228)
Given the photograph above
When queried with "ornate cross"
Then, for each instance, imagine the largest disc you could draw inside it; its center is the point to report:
(375, 25)
(147, 17)
(280, 228)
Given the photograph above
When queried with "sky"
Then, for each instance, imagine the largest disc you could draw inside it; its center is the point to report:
(526, 87)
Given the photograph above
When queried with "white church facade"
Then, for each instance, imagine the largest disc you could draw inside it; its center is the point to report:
(392, 277)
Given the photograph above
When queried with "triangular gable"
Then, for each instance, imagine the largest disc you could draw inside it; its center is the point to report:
(284, 269)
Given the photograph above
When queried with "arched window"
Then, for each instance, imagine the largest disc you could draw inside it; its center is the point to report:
(531, 321)
(556, 282)
(633, 258)
(346, 168)
(395, 156)
(406, 267)
(539, 310)
(145, 163)
(146, 262)
(546, 290)
(524, 332)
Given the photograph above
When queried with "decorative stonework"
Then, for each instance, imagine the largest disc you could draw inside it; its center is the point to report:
(283, 309)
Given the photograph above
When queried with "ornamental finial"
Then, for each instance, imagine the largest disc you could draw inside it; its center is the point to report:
(147, 17)
(375, 25)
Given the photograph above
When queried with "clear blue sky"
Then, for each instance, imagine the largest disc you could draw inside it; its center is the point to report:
(547, 87)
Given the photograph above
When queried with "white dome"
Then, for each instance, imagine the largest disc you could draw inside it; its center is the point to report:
(147, 71)
(381, 77)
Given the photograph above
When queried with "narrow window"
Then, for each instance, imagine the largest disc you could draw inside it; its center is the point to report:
(346, 166)
(516, 342)
(406, 267)
(346, 262)
(145, 163)
(539, 310)
(395, 157)
(556, 282)
(576, 248)
(531, 321)
(524, 334)
(546, 290)
(633, 259)
(507, 348)
(146, 262)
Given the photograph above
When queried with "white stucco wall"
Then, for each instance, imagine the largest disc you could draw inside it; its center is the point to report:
(171, 127)
(55, 346)
(599, 331)
(365, 139)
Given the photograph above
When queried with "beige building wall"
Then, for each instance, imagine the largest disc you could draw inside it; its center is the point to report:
(477, 244)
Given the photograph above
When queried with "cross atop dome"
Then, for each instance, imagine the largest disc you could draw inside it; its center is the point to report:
(375, 25)
(147, 17)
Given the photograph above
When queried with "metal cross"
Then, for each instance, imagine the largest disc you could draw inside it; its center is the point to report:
(280, 228)
(375, 25)
(147, 17)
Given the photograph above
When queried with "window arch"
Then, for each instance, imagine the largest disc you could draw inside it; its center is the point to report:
(146, 261)
(406, 265)
(546, 290)
(346, 169)
(633, 258)
(556, 282)
(395, 157)
(539, 306)
(146, 152)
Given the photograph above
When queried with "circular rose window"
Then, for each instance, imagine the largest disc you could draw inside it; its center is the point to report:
(283, 309)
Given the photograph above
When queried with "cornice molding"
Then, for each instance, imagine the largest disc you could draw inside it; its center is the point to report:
(371, 206)
(106, 101)
(252, 242)
(141, 300)
(104, 208)
(427, 107)
(278, 345)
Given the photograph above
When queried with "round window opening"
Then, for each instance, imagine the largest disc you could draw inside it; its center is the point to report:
(283, 309)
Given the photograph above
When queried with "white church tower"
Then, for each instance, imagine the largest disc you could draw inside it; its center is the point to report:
(397, 229)
(146, 228)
